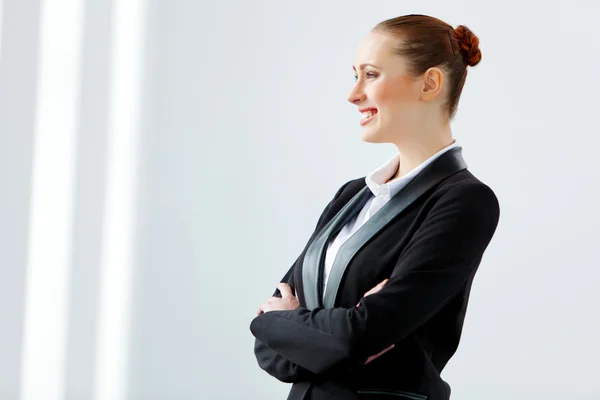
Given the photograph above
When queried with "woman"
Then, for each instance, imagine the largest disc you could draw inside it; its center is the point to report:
(414, 231)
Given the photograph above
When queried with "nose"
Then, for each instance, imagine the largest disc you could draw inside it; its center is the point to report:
(357, 95)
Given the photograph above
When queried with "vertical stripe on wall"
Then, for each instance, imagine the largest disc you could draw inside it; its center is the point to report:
(118, 232)
(89, 200)
(50, 226)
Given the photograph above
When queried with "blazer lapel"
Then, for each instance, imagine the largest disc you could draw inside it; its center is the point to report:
(443, 167)
(315, 254)
(440, 169)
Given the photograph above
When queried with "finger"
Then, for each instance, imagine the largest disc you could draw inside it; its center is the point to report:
(267, 306)
(377, 287)
(261, 309)
(373, 357)
(285, 289)
(372, 291)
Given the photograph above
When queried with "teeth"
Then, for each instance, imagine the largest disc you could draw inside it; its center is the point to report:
(368, 114)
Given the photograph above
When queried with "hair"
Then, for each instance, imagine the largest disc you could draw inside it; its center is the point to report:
(427, 42)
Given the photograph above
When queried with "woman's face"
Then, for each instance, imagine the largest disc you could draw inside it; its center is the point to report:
(391, 102)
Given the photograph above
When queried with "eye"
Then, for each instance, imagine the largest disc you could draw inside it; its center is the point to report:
(369, 75)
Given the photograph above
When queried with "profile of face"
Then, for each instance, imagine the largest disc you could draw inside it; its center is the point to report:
(391, 101)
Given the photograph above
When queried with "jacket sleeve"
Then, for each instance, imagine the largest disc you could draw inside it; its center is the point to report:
(268, 359)
(272, 362)
(435, 265)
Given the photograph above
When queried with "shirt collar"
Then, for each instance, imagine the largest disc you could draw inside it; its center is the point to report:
(376, 179)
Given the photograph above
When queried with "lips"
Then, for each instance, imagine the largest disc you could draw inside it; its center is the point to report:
(367, 115)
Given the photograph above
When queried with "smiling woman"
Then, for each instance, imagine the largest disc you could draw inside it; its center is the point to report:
(373, 307)
(393, 63)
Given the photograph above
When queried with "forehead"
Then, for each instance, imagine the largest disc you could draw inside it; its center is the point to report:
(377, 48)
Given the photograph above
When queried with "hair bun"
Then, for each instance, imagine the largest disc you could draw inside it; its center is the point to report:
(469, 45)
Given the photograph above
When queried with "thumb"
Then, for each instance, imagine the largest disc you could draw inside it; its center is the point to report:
(285, 289)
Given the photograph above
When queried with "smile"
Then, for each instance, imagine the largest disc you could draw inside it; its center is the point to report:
(367, 116)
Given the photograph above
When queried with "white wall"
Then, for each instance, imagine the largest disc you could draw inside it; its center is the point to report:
(243, 107)
(18, 74)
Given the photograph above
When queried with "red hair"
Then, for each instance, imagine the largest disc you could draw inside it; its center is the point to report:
(427, 42)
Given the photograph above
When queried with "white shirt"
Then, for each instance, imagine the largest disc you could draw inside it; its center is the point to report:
(382, 192)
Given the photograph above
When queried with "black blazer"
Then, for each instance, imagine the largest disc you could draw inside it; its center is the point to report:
(428, 240)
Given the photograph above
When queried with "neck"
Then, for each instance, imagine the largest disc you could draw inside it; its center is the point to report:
(414, 153)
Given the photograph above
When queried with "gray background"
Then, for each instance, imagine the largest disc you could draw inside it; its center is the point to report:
(245, 136)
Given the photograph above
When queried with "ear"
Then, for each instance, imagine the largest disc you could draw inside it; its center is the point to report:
(433, 81)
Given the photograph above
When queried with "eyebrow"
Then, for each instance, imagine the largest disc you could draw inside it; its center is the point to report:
(362, 66)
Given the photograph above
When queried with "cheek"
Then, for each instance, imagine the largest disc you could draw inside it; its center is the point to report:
(393, 93)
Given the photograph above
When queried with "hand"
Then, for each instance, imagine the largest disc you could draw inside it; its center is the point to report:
(376, 289)
(379, 354)
(287, 301)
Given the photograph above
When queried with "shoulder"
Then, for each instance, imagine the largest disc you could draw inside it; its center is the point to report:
(465, 185)
(461, 188)
(469, 198)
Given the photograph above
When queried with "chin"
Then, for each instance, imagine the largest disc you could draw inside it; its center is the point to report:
(370, 135)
